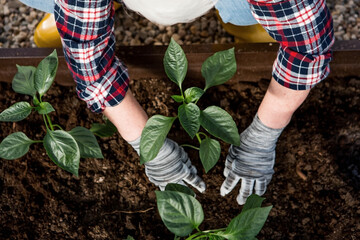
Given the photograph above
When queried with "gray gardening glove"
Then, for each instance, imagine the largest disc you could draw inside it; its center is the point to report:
(171, 165)
(252, 161)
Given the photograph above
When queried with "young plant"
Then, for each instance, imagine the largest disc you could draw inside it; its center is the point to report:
(106, 129)
(182, 214)
(217, 69)
(65, 148)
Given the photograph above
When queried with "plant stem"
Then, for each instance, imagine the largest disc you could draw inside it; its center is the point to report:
(204, 134)
(57, 125)
(201, 234)
(46, 125)
(191, 146)
(37, 141)
(49, 120)
(36, 101)
(214, 230)
(181, 91)
(198, 137)
(194, 235)
(200, 237)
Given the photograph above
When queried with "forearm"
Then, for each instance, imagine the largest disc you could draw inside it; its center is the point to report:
(305, 39)
(128, 117)
(86, 30)
(279, 104)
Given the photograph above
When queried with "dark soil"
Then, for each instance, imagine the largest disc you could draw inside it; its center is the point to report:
(314, 191)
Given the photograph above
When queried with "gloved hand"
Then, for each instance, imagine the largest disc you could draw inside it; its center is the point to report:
(252, 161)
(171, 165)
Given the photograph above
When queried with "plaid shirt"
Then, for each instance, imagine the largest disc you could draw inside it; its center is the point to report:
(302, 27)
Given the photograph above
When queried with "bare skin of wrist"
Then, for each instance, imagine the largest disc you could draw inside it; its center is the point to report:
(128, 117)
(279, 104)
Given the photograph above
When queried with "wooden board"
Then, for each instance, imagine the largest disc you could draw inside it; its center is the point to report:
(254, 60)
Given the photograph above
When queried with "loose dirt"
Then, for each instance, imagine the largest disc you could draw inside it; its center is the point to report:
(314, 191)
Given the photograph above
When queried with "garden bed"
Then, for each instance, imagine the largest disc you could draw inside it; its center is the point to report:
(313, 194)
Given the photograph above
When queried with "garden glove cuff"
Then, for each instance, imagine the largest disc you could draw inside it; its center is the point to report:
(252, 161)
(171, 165)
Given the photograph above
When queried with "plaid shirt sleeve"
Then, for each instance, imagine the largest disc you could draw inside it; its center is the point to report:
(304, 30)
(87, 32)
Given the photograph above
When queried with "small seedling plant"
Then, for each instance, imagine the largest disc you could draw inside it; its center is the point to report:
(182, 214)
(216, 69)
(64, 148)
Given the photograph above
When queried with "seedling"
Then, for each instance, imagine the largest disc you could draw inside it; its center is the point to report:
(64, 148)
(217, 69)
(182, 214)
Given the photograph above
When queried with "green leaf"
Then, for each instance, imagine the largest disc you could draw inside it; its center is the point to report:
(15, 146)
(179, 188)
(214, 237)
(153, 136)
(23, 81)
(247, 224)
(193, 94)
(175, 63)
(180, 212)
(103, 130)
(63, 150)
(209, 153)
(88, 145)
(253, 201)
(189, 116)
(16, 112)
(178, 98)
(219, 68)
(45, 73)
(220, 124)
(45, 108)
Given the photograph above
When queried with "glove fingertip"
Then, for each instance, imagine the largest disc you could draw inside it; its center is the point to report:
(223, 190)
(241, 200)
(199, 184)
(226, 172)
(201, 187)
(229, 183)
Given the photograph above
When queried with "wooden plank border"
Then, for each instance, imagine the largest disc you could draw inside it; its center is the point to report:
(254, 60)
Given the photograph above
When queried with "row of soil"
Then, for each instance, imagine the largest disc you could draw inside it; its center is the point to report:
(314, 191)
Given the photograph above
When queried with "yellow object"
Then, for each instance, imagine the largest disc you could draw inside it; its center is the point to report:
(246, 34)
(46, 34)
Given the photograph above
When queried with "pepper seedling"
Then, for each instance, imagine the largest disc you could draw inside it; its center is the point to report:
(64, 148)
(216, 69)
(182, 214)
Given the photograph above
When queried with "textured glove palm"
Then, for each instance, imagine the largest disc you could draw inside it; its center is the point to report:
(252, 161)
(171, 165)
